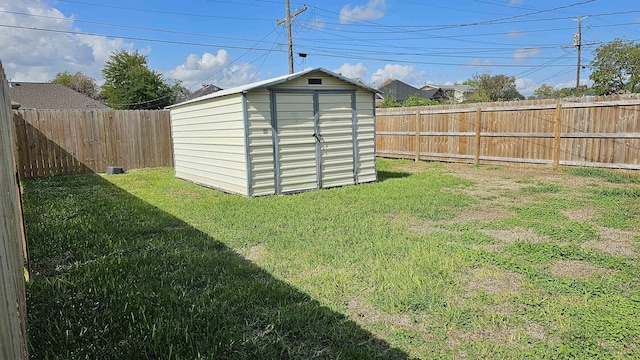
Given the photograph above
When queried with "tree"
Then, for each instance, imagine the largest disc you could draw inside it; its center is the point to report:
(544, 91)
(180, 93)
(616, 68)
(389, 99)
(78, 82)
(493, 88)
(130, 84)
(417, 100)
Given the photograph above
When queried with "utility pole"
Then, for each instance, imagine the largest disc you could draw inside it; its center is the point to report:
(577, 42)
(287, 20)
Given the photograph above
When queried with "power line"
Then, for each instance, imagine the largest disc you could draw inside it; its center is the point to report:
(172, 13)
(127, 26)
(132, 38)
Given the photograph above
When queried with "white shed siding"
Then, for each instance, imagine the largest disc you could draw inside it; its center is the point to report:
(365, 137)
(260, 143)
(328, 82)
(296, 143)
(336, 131)
(209, 143)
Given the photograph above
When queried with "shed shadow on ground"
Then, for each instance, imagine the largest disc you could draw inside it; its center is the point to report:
(386, 175)
(155, 287)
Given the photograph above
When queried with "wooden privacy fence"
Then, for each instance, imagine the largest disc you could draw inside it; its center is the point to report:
(59, 142)
(13, 307)
(596, 132)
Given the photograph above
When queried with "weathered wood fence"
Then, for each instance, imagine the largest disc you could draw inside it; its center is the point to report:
(602, 132)
(60, 142)
(13, 330)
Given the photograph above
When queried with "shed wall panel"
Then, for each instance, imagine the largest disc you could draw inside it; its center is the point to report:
(365, 137)
(208, 139)
(296, 143)
(336, 130)
(260, 143)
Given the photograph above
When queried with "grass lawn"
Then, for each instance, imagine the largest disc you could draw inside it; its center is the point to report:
(434, 261)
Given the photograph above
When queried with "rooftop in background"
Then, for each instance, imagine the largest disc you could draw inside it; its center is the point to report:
(50, 96)
(204, 90)
(463, 88)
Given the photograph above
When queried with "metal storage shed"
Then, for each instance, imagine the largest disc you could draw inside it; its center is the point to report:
(309, 130)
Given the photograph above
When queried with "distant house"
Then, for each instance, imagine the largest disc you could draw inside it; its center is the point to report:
(28, 95)
(400, 91)
(206, 89)
(455, 93)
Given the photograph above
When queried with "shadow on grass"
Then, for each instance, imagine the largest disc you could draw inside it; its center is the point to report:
(386, 175)
(114, 277)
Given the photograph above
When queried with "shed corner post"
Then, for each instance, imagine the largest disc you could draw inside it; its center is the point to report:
(247, 157)
(476, 152)
(274, 140)
(556, 136)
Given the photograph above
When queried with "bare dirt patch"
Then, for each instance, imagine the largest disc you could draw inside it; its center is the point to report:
(489, 212)
(512, 235)
(253, 253)
(504, 308)
(613, 242)
(508, 337)
(576, 269)
(363, 313)
(493, 280)
(585, 214)
(184, 193)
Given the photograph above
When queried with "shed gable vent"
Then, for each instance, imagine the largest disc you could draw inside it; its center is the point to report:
(315, 81)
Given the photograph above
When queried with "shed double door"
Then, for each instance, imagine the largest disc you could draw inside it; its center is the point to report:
(314, 140)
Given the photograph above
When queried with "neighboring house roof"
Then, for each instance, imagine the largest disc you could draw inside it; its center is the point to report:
(461, 88)
(50, 96)
(401, 91)
(274, 81)
(434, 94)
(397, 89)
(204, 90)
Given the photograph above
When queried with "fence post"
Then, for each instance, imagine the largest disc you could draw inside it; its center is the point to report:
(476, 151)
(556, 137)
(417, 135)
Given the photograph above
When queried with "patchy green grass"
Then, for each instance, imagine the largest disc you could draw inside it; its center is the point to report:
(612, 176)
(143, 265)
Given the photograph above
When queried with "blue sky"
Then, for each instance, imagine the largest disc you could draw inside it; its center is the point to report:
(229, 43)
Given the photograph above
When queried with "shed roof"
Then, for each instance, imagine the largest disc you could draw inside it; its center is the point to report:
(273, 81)
(32, 95)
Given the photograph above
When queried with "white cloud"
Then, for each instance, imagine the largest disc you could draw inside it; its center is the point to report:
(479, 62)
(317, 24)
(515, 2)
(374, 9)
(33, 55)
(572, 83)
(212, 69)
(404, 73)
(357, 71)
(525, 54)
(514, 34)
(526, 86)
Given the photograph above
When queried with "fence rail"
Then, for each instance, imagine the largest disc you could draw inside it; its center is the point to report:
(60, 142)
(603, 132)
